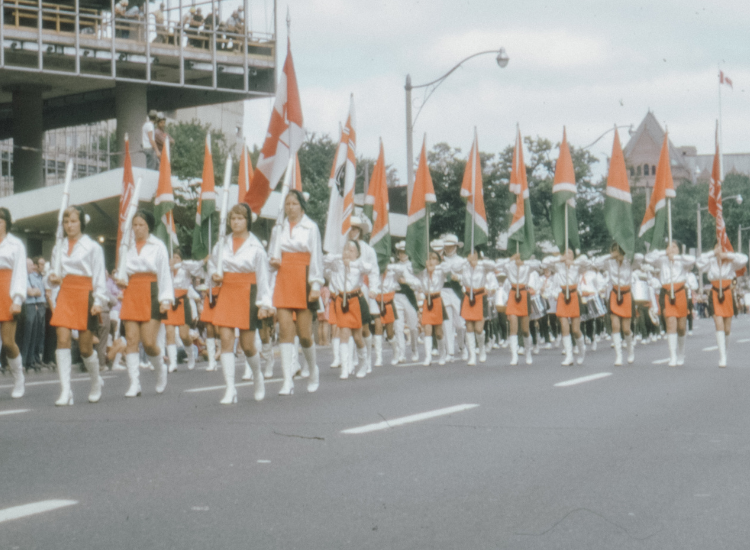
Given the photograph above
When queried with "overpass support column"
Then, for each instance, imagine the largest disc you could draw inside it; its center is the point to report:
(28, 139)
(131, 110)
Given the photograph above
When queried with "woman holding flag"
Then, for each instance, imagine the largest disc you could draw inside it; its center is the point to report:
(472, 274)
(721, 267)
(180, 316)
(519, 274)
(82, 294)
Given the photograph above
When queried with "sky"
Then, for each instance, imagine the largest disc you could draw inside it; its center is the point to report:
(586, 65)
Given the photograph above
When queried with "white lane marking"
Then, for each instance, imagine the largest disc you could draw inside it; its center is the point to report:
(224, 386)
(14, 411)
(660, 362)
(743, 341)
(17, 512)
(582, 379)
(46, 382)
(434, 362)
(409, 419)
(711, 348)
(264, 462)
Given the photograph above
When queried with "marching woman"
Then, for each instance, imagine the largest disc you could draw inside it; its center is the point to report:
(568, 270)
(83, 291)
(180, 316)
(519, 273)
(721, 267)
(207, 317)
(386, 315)
(298, 258)
(147, 296)
(621, 308)
(406, 306)
(13, 276)
(244, 298)
(673, 269)
(472, 274)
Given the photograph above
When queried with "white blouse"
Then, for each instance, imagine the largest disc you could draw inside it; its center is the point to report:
(471, 277)
(13, 257)
(250, 257)
(349, 278)
(518, 275)
(184, 272)
(620, 274)
(86, 260)
(427, 283)
(726, 271)
(389, 279)
(675, 271)
(567, 275)
(303, 237)
(153, 258)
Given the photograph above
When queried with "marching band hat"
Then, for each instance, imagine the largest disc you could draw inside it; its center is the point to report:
(401, 246)
(437, 245)
(362, 223)
(449, 239)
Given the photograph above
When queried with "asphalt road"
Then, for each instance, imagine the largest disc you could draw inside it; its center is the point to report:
(647, 457)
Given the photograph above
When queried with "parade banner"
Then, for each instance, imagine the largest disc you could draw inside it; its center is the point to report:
(128, 186)
(564, 201)
(164, 202)
(521, 230)
(202, 233)
(618, 203)
(418, 228)
(475, 228)
(376, 208)
(655, 220)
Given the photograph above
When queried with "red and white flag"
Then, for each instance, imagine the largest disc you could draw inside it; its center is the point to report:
(128, 187)
(723, 79)
(297, 174)
(283, 139)
(245, 175)
(714, 199)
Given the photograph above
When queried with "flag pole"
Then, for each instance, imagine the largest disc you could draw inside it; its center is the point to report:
(669, 223)
(567, 284)
(721, 160)
(473, 201)
(518, 291)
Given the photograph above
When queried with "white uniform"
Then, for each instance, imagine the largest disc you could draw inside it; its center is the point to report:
(455, 325)
(349, 278)
(370, 259)
(13, 257)
(153, 258)
(303, 237)
(708, 263)
(86, 260)
(250, 257)
(674, 271)
(407, 315)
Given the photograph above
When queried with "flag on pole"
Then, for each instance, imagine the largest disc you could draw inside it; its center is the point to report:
(521, 228)
(417, 230)
(283, 139)
(376, 208)
(723, 79)
(341, 184)
(475, 228)
(297, 174)
(245, 175)
(618, 203)
(655, 219)
(164, 202)
(202, 238)
(564, 193)
(128, 187)
(715, 207)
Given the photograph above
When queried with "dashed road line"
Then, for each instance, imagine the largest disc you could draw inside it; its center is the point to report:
(17, 512)
(48, 382)
(711, 348)
(224, 386)
(408, 419)
(14, 411)
(660, 361)
(582, 379)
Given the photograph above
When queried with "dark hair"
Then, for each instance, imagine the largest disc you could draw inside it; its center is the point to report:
(176, 252)
(36, 259)
(615, 247)
(243, 209)
(356, 244)
(81, 215)
(436, 253)
(300, 198)
(147, 217)
(5, 215)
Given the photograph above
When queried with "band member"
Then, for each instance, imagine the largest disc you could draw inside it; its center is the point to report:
(673, 270)
(181, 315)
(620, 271)
(147, 296)
(568, 269)
(549, 325)
(298, 258)
(82, 293)
(13, 277)
(721, 267)
(360, 227)
(386, 317)
(452, 294)
(244, 298)
(517, 283)
(207, 316)
(471, 274)
(406, 307)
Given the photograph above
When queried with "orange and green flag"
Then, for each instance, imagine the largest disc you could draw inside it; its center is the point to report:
(564, 200)
(164, 202)
(655, 220)
(475, 229)
(206, 228)
(521, 228)
(618, 203)
(418, 228)
(376, 208)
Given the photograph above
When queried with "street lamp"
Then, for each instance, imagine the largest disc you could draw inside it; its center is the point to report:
(502, 61)
(740, 229)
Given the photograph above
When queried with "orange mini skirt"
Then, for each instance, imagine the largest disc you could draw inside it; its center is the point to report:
(207, 315)
(725, 307)
(73, 305)
(679, 307)
(623, 310)
(473, 312)
(235, 306)
(518, 308)
(435, 315)
(352, 317)
(140, 299)
(385, 305)
(6, 302)
(179, 314)
(290, 291)
(572, 308)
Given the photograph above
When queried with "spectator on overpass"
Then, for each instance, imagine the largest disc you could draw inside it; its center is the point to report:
(148, 142)
(161, 135)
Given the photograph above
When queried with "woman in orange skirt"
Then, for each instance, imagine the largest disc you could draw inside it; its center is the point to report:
(83, 292)
(385, 315)
(13, 278)
(180, 315)
(297, 257)
(721, 267)
(244, 298)
(429, 282)
(147, 296)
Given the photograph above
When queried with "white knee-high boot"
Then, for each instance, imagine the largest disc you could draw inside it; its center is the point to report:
(157, 361)
(368, 353)
(721, 342)
(377, 342)
(442, 345)
(92, 365)
(133, 364)
(267, 359)
(568, 349)
(258, 380)
(287, 359)
(672, 343)
(631, 348)
(680, 350)
(313, 383)
(513, 342)
(346, 359)
(354, 363)
(427, 351)
(396, 350)
(16, 368)
(481, 347)
(228, 367)
(364, 361)
(527, 344)
(581, 350)
(190, 350)
(617, 341)
(471, 346)
(211, 352)
(63, 370)
(336, 344)
(172, 356)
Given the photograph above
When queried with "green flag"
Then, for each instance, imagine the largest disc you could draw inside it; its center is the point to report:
(564, 200)
(618, 204)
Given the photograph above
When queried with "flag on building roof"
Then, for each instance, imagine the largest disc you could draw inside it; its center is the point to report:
(283, 139)
(205, 229)
(723, 79)
(521, 228)
(564, 193)
(128, 187)
(475, 228)
(376, 208)
(164, 202)
(618, 203)
(655, 220)
(418, 228)
(341, 184)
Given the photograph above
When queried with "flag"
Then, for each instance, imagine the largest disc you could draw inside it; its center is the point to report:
(164, 202)
(376, 208)
(417, 230)
(245, 175)
(297, 174)
(128, 187)
(475, 228)
(341, 184)
(618, 203)
(725, 80)
(204, 232)
(564, 193)
(521, 228)
(655, 219)
(283, 139)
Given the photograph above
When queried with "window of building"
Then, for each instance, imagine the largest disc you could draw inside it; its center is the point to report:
(645, 169)
(653, 170)
(638, 172)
